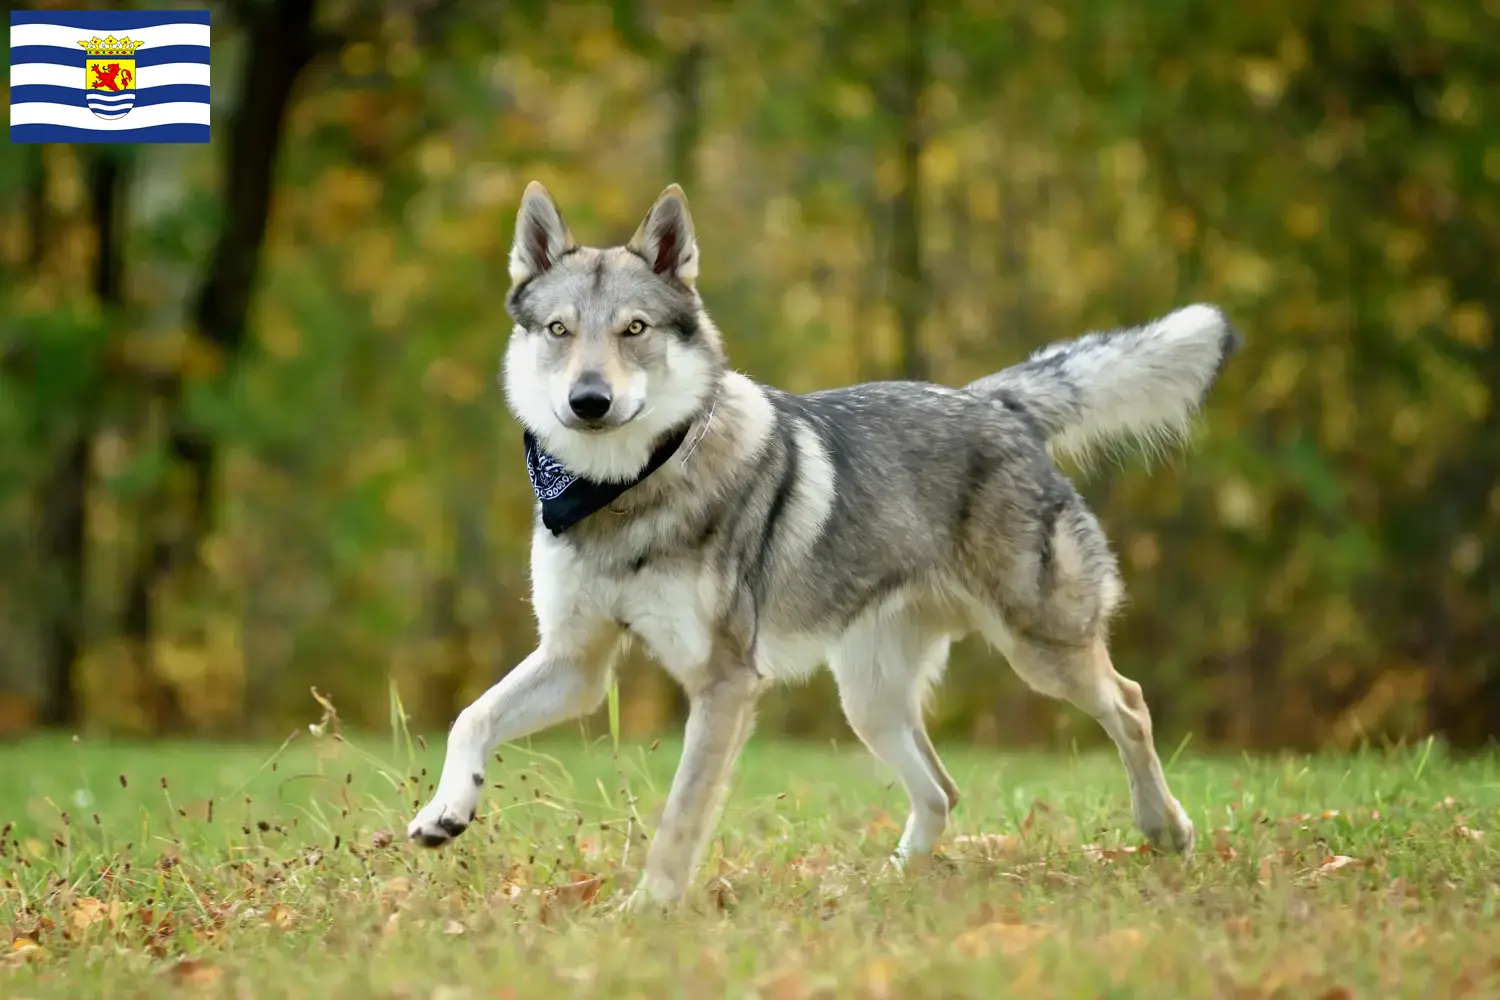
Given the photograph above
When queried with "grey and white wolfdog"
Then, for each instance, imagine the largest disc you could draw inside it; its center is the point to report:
(866, 527)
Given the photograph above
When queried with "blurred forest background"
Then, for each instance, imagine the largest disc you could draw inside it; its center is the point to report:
(251, 439)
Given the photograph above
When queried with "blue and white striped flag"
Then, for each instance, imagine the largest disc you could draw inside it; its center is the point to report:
(109, 76)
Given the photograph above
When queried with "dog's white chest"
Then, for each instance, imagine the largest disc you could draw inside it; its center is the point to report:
(668, 614)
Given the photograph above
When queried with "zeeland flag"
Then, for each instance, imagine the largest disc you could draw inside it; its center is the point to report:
(109, 76)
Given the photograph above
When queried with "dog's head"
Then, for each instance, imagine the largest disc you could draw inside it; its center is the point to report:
(611, 349)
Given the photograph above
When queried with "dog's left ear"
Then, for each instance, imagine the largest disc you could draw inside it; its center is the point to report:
(666, 240)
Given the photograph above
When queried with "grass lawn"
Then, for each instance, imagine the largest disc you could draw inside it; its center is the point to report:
(144, 870)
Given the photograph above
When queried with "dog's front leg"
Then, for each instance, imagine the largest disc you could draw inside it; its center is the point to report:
(545, 688)
(719, 720)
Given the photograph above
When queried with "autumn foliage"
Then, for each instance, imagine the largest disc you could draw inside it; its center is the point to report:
(251, 438)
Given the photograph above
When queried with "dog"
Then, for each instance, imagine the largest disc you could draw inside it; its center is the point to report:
(746, 535)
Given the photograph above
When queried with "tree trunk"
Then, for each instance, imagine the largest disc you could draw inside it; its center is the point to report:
(63, 531)
(685, 84)
(906, 218)
(36, 208)
(281, 41)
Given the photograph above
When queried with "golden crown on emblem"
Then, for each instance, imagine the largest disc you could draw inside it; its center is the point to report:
(111, 46)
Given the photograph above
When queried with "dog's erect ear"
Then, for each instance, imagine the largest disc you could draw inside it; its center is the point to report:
(666, 238)
(541, 235)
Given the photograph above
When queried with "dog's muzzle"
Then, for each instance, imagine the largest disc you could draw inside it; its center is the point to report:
(590, 399)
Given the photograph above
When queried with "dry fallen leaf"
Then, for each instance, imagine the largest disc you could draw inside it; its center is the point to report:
(581, 891)
(1123, 941)
(1271, 864)
(1330, 865)
(1000, 936)
(89, 911)
(787, 984)
(195, 972)
(24, 950)
(453, 928)
(1105, 855)
(1336, 993)
(989, 845)
(280, 916)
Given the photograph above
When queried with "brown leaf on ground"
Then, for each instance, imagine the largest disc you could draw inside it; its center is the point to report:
(1239, 927)
(1105, 855)
(721, 891)
(988, 913)
(999, 936)
(281, 916)
(1337, 993)
(395, 890)
(1123, 941)
(1037, 806)
(1272, 864)
(1330, 865)
(580, 891)
(89, 911)
(882, 823)
(783, 984)
(24, 950)
(195, 972)
(989, 846)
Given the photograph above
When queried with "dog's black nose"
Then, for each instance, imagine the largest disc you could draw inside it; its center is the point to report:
(590, 399)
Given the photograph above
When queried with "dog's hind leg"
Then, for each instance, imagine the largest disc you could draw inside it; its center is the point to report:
(1086, 677)
(1044, 591)
(882, 668)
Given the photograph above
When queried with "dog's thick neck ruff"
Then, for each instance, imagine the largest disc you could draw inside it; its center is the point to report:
(568, 498)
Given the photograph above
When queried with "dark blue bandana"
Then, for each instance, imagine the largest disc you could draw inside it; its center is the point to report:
(567, 498)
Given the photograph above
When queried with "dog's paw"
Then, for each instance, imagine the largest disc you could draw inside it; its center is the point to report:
(1173, 833)
(654, 894)
(904, 862)
(442, 819)
(642, 901)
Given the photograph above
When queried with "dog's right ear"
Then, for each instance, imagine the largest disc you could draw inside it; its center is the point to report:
(541, 235)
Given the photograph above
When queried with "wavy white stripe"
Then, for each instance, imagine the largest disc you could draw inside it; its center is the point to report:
(49, 75)
(180, 113)
(104, 97)
(68, 38)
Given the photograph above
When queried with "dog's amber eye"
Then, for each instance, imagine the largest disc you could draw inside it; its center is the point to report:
(635, 329)
(557, 329)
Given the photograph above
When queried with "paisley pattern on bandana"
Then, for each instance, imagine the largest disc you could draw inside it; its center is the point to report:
(549, 480)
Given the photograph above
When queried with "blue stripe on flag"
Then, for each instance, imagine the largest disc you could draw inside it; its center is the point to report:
(109, 20)
(144, 58)
(63, 133)
(170, 94)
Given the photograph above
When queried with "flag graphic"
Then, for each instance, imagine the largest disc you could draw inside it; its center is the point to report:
(109, 76)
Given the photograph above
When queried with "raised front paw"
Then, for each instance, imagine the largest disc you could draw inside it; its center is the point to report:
(444, 818)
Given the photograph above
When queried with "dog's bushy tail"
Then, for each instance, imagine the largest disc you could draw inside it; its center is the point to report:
(1143, 383)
